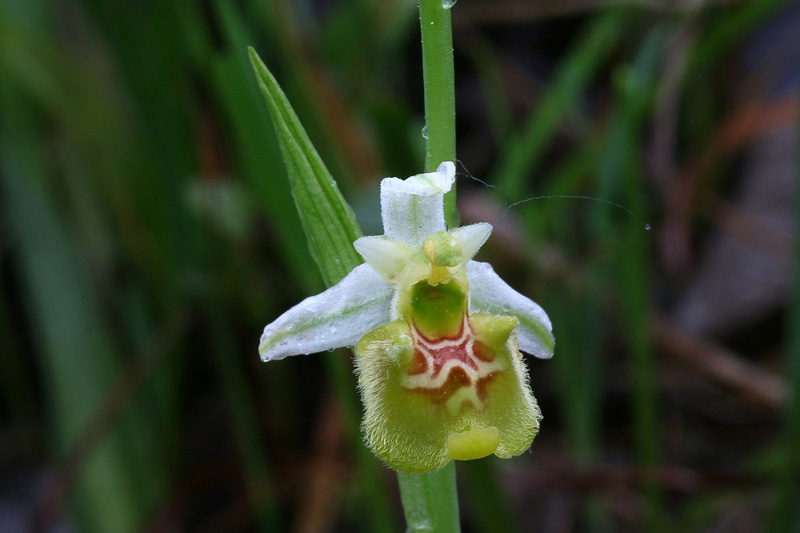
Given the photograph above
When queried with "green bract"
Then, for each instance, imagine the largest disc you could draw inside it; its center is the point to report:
(437, 335)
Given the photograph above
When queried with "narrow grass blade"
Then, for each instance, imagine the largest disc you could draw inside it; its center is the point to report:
(77, 355)
(254, 142)
(523, 154)
(622, 160)
(331, 229)
(328, 221)
(728, 30)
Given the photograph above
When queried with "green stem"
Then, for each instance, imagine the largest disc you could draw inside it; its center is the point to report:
(430, 500)
(440, 94)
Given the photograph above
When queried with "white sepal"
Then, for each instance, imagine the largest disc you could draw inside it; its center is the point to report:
(412, 208)
(488, 292)
(335, 318)
(472, 237)
(387, 256)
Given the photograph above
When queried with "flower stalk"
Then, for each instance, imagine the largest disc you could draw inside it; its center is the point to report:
(430, 501)
(440, 93)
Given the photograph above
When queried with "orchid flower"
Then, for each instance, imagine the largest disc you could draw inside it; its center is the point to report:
(437, 336)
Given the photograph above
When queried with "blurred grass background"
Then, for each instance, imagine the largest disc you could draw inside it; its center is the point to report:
(147, 234)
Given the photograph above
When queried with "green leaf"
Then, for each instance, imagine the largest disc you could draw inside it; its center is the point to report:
(327, 219)
(331, 229)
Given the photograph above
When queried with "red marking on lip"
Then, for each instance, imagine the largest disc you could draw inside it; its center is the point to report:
(418, 364)
(483, 352)
(455, 380)
(482, 385)
(447, 353)
(469, 353)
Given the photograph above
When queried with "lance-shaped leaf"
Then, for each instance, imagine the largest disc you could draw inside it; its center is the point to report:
(327, 219)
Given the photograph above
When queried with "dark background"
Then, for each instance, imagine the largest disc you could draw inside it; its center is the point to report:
(147, 234)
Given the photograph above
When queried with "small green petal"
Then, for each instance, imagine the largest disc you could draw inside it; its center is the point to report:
(387, 256)
(471, 238)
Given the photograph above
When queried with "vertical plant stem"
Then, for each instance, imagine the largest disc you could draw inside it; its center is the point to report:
(440, 99)
(430, 500)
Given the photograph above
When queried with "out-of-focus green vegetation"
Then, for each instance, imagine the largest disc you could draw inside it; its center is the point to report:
(147, 234)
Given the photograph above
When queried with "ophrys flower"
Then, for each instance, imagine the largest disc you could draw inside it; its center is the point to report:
(437, 335)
